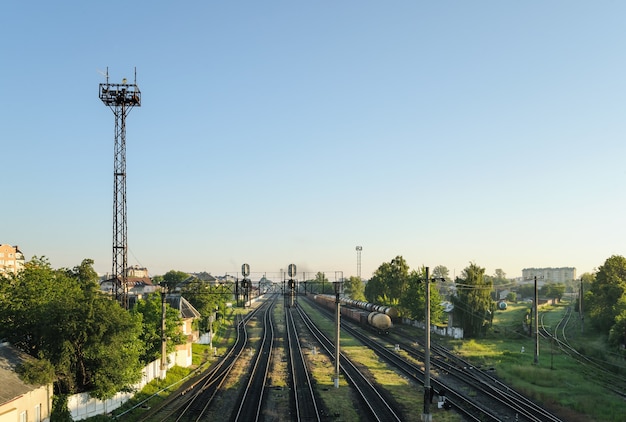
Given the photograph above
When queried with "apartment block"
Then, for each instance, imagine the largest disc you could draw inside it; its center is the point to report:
(549, 275)
(11, 259)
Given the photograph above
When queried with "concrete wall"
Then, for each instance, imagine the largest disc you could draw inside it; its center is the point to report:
(83, 406)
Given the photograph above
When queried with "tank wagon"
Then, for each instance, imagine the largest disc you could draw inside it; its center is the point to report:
(375, 320)
(387, 310)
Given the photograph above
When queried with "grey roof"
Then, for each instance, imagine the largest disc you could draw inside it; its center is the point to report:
(12, 386)
(185, 308)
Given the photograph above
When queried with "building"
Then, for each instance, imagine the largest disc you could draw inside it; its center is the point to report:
(137, 271)
(188, 314)
(549, 275)
(21, 402)
(11, 259)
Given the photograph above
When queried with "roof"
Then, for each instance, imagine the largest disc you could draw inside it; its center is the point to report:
(12, 386)
(185, 308)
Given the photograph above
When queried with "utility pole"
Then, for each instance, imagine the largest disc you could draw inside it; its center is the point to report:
(358, 261)
(536, 318)
(163, 337)
(580, 308)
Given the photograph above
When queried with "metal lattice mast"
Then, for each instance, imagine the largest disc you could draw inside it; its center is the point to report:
(358, 261)
(120, 98)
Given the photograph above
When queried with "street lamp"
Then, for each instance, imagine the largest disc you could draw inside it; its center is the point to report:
(338, 285)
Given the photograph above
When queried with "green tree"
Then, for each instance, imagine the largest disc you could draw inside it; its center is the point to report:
(552, 290)
(499, 277)
(604, 300)
(150, 311)
(511, 297)
(526, 290)
(617, 333)
(205, 298)
(413, 301)
(321, 283)
(61, 316)
(353, 288)
(472, 304)
(441, 271)
(173, 278)
(389, 282)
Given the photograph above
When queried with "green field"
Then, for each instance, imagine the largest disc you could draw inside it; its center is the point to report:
(557, 381)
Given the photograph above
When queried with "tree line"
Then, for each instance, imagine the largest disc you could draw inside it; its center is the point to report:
(82, 339)
(474, 296)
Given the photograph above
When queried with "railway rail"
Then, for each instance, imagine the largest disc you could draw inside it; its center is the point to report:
(194, 401)
(251, 402)
(595, 371)
(472, 392)
(375, 404)
(304, 400)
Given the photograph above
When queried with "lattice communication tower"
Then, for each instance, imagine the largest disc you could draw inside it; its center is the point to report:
(120, 98)
(358, 260)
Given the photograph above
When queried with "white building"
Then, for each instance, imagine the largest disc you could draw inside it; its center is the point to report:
(549, 275)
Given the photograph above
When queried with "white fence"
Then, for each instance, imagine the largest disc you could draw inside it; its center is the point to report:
(83, 406)
(454, 332)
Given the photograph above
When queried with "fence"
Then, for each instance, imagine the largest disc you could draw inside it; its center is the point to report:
(83, 406)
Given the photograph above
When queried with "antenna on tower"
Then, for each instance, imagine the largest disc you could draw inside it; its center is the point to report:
(120, 98)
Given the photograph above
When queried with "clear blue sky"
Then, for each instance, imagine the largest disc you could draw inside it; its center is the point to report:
(278, 132)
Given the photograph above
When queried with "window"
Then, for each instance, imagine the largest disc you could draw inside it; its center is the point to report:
(24, 416)
(38, 413)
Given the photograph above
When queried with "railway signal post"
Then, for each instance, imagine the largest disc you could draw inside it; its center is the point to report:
(428, 393)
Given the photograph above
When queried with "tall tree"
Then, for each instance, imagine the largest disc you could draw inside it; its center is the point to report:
(150, 310)
(321, 283)
(173, 278)
(606, 292)
(472, 304)
(441, 271)
(353, 288)
(206, 298)
(61, 316)
(499, 277)
(413, 301)
(389, 282)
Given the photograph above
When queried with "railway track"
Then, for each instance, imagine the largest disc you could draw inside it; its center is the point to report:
(304, 400)
(472, 392)
(376, 406)
(595, 371)
(251, 401)
(194, 401)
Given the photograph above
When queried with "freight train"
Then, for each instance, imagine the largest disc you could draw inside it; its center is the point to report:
(372, 318)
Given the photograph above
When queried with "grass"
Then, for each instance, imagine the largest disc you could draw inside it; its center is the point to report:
(407, 394)
(157, 390)
(557, 381)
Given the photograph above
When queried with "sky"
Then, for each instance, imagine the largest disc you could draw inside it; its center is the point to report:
(278, 132)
